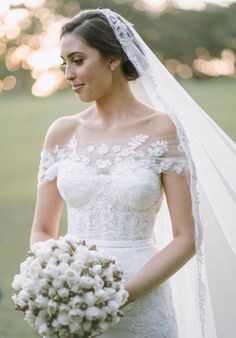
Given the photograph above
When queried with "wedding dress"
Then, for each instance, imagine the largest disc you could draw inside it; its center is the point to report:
(113, 192)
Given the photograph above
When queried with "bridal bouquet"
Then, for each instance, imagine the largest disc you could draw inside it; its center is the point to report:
(67, 289)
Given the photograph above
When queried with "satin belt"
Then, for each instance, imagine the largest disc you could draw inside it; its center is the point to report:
(137, 243)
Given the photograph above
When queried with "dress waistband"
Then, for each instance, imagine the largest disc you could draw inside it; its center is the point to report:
(119, 243)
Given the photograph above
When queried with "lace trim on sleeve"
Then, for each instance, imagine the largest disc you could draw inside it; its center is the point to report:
(48, 167)
(168, 157)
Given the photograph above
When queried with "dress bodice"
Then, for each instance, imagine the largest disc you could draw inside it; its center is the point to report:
(112, 189)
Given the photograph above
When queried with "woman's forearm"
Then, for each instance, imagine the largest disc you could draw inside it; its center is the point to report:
(160, 267)
(37, 236)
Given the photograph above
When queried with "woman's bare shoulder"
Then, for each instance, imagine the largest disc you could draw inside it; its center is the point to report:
(60, 131)
(161, 124)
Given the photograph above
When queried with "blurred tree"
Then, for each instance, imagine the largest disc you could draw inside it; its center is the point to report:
(178, 37)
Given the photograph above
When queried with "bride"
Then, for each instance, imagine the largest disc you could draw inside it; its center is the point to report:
(132, 171)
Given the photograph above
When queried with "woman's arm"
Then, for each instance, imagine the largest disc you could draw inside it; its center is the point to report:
(171, 258)
(49, 206)
(49, 203)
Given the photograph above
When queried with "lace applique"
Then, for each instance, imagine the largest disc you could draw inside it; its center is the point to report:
(104, 156)
(159, 300)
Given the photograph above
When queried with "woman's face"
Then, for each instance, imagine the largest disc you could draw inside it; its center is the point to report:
(83, 65)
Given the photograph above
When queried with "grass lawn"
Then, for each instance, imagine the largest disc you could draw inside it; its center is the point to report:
(23, 122)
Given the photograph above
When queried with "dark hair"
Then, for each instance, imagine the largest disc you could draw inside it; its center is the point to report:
(92, 26)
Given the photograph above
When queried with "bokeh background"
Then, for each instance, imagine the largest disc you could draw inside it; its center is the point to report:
(195, 40)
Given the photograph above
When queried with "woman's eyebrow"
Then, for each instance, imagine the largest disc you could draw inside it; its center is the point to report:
(71, 54)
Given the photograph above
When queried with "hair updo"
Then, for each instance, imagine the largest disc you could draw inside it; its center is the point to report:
(92, 26)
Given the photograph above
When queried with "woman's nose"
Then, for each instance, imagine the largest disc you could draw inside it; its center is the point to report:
(69, 74)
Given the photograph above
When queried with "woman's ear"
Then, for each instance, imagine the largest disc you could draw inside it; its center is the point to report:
(114, 63)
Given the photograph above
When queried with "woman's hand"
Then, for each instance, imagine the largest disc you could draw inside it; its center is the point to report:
(130, 297)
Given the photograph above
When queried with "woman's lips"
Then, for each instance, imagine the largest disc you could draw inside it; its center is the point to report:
(77, 88)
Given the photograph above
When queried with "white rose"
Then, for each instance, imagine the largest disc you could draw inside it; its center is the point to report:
(92, 313)
(86, 326)
(51, 292)
(51, 271)
(35, 269)
(57, 283)
(63, 333)
(75, 287)
(52, 307)
(89, 298)
(79, 257)
(64, 257)
(115, 320)
(62, 267)
(52, 261)
(41, 301)
(30, 317)
(24, 295)
(64, 307)
(43, 282)
(31, 287)
(63, 318)
(82, 251)
(63, 293)
(63, 247)
(43, 330)
(113, 305)
(111, 292)
(18, 282)
(70, 237)
(25, 265)
(86, 282)
(101, 295)
(40, 319)
(71, 276)
(76, 313)
(31, 305)
(108, 273)
(77, 266)
(103, 326)
(20, 302)
(45, 253)
(74, 327)
(56, 324)
(106, 310)
(98, 282)
(75, 301)
(121, 296)
(97, 268)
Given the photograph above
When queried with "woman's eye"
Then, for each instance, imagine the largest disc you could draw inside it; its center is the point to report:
(78, 62)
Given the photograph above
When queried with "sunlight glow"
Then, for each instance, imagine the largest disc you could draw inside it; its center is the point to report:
(39, 53)
(160, 5)
(9, 82)
(44, 59)
(48, 83)
(216, 67)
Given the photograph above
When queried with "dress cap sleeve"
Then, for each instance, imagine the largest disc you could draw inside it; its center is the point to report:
(170, 157)
(48, 166)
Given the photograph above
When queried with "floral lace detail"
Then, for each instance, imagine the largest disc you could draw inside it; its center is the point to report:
(152, 156)
(160, 300)
(113, 193)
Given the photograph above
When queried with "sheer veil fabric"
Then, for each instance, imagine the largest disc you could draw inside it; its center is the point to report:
(211, 156)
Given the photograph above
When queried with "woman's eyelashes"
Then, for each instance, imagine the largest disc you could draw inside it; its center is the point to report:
(77, 62)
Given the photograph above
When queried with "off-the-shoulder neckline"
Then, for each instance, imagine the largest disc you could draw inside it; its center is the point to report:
(74, 139)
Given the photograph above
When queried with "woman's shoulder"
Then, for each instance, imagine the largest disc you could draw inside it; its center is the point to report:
(60, 131)
(161, 124)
